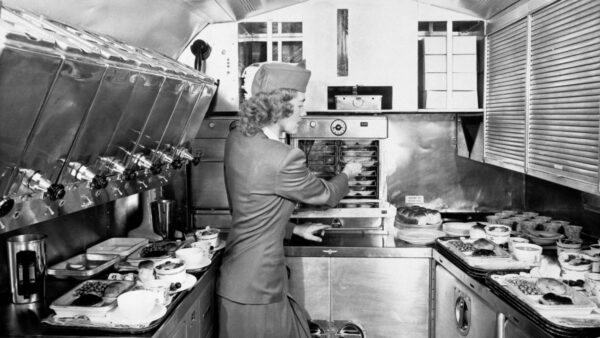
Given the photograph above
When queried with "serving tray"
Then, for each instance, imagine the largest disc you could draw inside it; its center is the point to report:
(502, 260)
(581, 304)
(83, 265)
(64, 308)
(122, 246)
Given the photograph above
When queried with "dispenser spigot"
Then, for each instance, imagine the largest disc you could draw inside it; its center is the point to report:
(141, 161)
(113, 165)
(34, 180)
(80, 172)
(162, 157)
(129, 174)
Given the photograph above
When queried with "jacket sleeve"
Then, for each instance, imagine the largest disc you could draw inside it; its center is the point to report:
(295, 182)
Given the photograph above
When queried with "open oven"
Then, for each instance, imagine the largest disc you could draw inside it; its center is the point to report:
(330, 142)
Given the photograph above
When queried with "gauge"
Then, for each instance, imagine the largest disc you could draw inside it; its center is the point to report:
(338, 127)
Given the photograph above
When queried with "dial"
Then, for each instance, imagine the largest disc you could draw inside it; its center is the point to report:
(338, 127)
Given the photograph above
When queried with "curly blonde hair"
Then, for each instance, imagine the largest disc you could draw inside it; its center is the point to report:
(264, 109)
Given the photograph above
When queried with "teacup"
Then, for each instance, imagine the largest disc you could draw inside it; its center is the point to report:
(573, 231)
(513, 240)
(592, 283)
(193, 256)
(492, 219)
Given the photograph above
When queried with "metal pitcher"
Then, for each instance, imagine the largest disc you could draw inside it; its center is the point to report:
(163, 218)
(27, 267)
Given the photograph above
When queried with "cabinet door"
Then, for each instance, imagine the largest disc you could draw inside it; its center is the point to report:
(459, 312)
(206, 311)
(388, 297)
(309, 284)
(181, 330)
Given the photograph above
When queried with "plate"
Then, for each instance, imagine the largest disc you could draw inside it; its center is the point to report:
(116, 316)
(220, 245)
(419, 236)
(539, 240)
(188, 283)
(458, 228)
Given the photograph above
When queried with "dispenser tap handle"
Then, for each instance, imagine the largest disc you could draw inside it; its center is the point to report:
(87, 201)
(49, 210)
(56, 192)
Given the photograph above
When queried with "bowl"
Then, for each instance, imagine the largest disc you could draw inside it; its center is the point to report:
(193, 257)
(568, 245)
(172, 270)
(570, 261)
(498, 233)
(208, 234)
(516, 240)
(527, 252)
(137, 303)
(529, 214)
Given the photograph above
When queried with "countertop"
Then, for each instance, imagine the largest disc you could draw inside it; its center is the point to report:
(24, 320)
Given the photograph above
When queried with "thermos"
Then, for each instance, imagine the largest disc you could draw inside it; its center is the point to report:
(27, 267)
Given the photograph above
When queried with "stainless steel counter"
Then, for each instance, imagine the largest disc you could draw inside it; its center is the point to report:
(355, 245)
(24, 320)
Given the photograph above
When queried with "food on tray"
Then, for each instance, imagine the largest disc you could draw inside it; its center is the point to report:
(157, 249)
(146, 271)
(551, 285)
(576, 261)
(483, 253)
(525, 286)
(169, 265)
(87, 299)
(483, 244)
(554, 299)
(96, 288)
(462, 246)
(115, 288)
(579, 283)
(477, 231)
(418, 215)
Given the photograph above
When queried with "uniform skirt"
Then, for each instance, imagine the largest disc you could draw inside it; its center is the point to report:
(285, 319)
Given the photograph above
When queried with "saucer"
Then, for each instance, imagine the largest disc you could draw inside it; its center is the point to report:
(220, 245)
(189, 281)
(204, 263)
(118, 317)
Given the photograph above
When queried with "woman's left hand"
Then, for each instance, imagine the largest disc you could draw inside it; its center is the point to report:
(311, 231)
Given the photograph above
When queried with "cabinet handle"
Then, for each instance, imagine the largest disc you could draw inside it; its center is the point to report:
(193, 315)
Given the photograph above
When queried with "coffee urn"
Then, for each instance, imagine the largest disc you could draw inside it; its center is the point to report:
(27, 267)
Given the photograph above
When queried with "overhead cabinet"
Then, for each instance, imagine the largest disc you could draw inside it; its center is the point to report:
(543, 94)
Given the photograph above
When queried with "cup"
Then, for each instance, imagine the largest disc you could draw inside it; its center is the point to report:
(573, 231)
(193, 256)
(513, 240)
(592, 283)
(553, 226)
(527, 252)
(529, 214)
(507, 221)
(528, 226)
(137, 303)
(492, 219)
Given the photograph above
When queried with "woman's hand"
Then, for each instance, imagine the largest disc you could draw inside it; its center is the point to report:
(352, 169)
(308, 231)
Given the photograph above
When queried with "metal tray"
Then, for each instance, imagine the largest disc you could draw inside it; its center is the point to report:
(122, 246)
(63, 308)
(83, 265)
(171, 246)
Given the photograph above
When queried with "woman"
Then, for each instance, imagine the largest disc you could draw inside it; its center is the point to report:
(264, 179)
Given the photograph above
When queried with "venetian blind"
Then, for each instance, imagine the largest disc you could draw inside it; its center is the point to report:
(505, 130)
(565, 92)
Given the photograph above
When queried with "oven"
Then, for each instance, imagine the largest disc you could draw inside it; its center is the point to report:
(330, 142)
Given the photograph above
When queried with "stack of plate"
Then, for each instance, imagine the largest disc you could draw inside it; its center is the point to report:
(458, 228)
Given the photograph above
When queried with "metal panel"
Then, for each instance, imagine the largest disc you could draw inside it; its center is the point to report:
(379, 295)
(161, 112)
(22, 71)
(135, 114)
(60, 118)
(208, 182)
(197, 116)
(565, 60)
(505, 130)
(448, 291)
(309, 284)
(101, 121)
(185, 107)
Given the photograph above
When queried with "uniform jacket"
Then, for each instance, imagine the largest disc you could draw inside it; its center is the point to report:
(264, 179)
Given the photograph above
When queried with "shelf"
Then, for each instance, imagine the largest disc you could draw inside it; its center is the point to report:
(397, 111)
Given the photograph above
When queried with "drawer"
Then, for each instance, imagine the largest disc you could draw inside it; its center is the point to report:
(208, 186)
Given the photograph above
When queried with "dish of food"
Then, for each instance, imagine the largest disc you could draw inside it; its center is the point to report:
(91, 298)
(419, 236)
